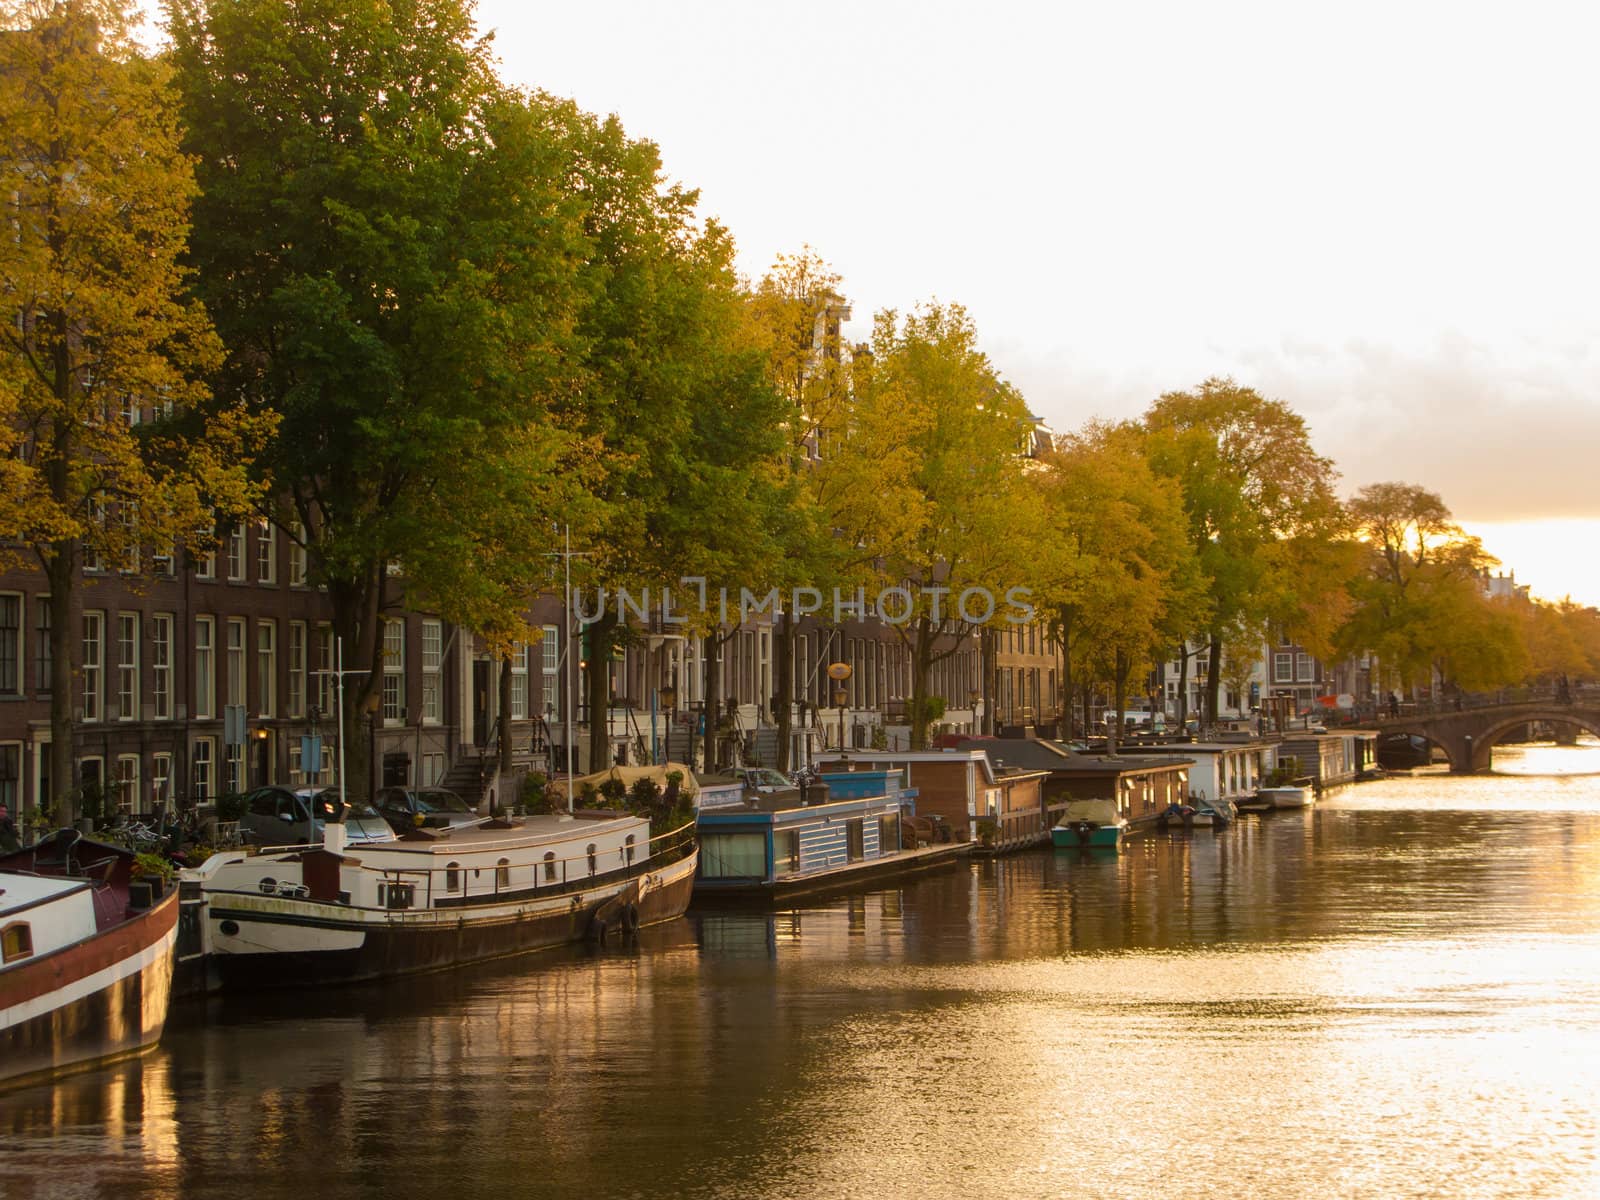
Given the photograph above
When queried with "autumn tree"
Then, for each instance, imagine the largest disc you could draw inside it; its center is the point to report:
(1132, 584)
(1251, 484)
(390, 247)
(104, 348)
(928, 479)
(797, 310)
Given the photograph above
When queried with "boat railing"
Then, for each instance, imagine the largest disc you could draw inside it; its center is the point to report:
(449, 886)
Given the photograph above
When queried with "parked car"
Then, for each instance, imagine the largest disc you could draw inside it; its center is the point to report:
(437, 808)
(279, 816)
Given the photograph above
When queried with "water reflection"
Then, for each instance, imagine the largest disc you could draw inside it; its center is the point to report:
(1392, 994)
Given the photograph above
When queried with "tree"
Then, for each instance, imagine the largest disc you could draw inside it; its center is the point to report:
(927, 479)
(1132, 584)
(104, 348)
(1251, 482)
(1418, 605)
(390, 247)
(673, 395)
(797, 309)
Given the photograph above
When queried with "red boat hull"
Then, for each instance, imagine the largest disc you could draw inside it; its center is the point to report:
(91, 1002)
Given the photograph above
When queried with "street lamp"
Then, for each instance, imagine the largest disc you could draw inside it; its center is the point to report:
(839, 672)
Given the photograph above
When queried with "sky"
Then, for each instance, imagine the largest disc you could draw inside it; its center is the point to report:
(1384, 215)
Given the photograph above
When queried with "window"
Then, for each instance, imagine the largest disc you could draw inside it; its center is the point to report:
(733, 856)
(128, 666)
(297, 668)
(519, 682)
(432, 657)
(628, 848)
(233, 775)
(452, 877)
(1305, 668)
(266, 552)
(160, 780)
(550, 663)
(128, 782)
(432, 770)
(855, 838)
(787, 847)
(201, 763)
(91, 548)
(205, 565)
(10, 645)
(593, 858)
(16, 941)
(327, 694)
(549, 866)
(127, 534)
(205, 667)
(394, 672)
(161, 666)
(1282, 666)
(42, 657)
(11, 777)
(266, 667)
(502, 874)
(236, 667)
(94, 631)
(297, 555)
(888, 835)
(236, 554)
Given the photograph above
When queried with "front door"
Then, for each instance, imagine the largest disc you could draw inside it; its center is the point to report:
(480, 702)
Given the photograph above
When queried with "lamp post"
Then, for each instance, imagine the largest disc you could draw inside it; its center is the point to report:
(839, 672)
(669, 701)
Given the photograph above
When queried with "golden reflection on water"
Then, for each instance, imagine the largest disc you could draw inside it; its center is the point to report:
(1394, 994)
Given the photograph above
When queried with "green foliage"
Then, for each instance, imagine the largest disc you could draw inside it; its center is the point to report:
(645, 793)
(153, 866)
(612, 791)
(534, 796)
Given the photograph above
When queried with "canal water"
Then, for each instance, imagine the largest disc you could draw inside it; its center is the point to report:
(1394, 994)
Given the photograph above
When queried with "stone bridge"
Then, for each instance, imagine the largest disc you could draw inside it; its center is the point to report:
(1468, 735)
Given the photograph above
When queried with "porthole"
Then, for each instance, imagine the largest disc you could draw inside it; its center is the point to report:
(229, 927)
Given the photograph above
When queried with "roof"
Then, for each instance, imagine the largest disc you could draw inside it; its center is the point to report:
(21, 891)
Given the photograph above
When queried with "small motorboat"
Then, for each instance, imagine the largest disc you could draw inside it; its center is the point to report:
(1089, 825)
(1288, 797)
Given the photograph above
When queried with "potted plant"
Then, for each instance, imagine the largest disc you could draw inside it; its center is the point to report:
(988, 831)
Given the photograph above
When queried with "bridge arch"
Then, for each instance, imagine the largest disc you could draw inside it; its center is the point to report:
(1485, 742)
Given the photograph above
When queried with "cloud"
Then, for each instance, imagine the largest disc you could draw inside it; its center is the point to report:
(1506, 430)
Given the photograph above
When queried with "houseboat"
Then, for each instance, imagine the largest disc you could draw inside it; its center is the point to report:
(1331, 759)
(339, 913)
(972, 790)
(774, 843)
(86, 953)
(1223, 773)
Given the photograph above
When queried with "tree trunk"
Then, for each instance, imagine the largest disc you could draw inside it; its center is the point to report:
(921, 670)
(597, 669)
(357, 624)
(66, 646)
(986, 650)
(503, 721)
(1183, 686)
(1119, 698)
(1213, 682)
(783, 687)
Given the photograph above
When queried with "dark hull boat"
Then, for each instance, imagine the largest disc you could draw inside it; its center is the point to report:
(333, 914)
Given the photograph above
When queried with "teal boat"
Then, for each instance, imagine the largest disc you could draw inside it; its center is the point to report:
(1089, 825)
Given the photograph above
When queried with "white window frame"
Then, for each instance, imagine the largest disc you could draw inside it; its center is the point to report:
(127, 666)
(327, 696)
(1282, 666)
(297, 555)
(160, 779)
(42, 660)
(202, 769)
(93, 664)
(161, 626)
(266, 553)
(297, 669)
(519, 681)
(127, 783)
(1305, 668)
(432, 668)
(550, 665)
(266, 668)
(394, 672)
(205, 668)
(238, 662)
(237, 548)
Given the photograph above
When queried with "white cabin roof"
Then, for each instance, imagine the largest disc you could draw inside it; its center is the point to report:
(23, 891)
